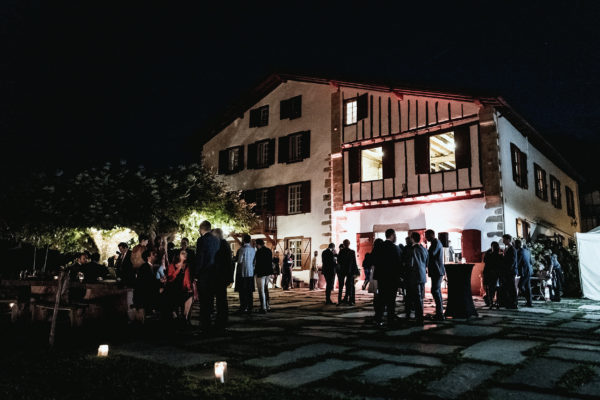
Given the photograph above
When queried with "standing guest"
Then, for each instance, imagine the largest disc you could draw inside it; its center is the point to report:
(286, 273)
(185, 245)
(262, 270)
(509, 272)
(225, 267)
(367, 266)
(491, 273)
(314, 271)
(136, 253)
(559, 277)
(450, 251)
(436, 270)
(93, 271)
(245, 265)
(77, 267)
(348, 270)
(387, 274)
(525, 271)
(328, 260)
(375, 254)
(124, 266)
(404, 263)
(416, 276)
(145, 291)
(205, 271)
(276, 269)
(160, 245)
(179, 290)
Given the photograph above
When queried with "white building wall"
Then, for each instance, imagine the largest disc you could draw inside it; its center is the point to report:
(523, 203)
(316, 117)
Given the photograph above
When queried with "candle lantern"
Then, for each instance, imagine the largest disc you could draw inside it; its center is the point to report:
(220, 371)
(103, 350)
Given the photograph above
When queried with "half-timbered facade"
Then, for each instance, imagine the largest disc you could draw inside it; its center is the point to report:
(370, 157)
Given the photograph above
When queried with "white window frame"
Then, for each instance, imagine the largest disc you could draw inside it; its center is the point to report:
(295, 247)
(362, 166)
(262, 200)
(295, 198)
(436, 144)
(295, 150)
(233, 159)
(351, 112)
(262, 153)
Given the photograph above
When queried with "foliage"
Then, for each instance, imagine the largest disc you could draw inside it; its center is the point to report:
(541, 250)
(60, 209)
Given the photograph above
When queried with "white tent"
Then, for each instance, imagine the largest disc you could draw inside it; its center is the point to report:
(588, 249)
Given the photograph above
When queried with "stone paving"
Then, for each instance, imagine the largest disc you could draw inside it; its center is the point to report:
(549, 351)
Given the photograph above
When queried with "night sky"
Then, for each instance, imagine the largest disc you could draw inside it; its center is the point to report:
(87, 83)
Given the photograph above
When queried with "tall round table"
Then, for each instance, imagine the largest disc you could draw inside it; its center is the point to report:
(460, 301)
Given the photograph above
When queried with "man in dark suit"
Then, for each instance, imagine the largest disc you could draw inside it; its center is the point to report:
(509, 272)
(224, 264)
(124, 266)
(205, 271)
(328, 260)
(416, 277)
(348, 269)
(525, 271)
(436, 270)
(388, 265)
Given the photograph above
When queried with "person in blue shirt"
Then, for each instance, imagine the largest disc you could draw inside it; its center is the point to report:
(525, 271)
(245, 263)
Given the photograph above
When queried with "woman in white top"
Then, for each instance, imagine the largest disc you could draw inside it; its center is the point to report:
(314, 271)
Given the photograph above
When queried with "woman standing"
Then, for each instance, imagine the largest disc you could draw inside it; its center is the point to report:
(491, 273)
(286, 273)
(179, 285)
(314, 271)
(276, 269)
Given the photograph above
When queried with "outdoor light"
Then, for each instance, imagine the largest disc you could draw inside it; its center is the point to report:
(55, 277)
(103, 350)
(220, 370)
(11, 305)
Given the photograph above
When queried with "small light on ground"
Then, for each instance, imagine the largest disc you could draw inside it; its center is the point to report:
(220, 370)
(103, 350)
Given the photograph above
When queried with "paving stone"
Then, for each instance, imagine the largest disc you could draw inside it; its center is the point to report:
(502, 351)
(385, 372)
(408, 331)
(327, 335)
(577, 346)
(255, 329)
(592, 316)
(592, 388)
(560, 315)
(536, 310)
(584, 326)
(171, 356)
(399, 359)
(589, 307)
(301, 376)
(504, 394)
(358, 314)
(469, 331)
(461, 379)
(427, 348)
(541, 372)
(575, 355)
(487, 321)
(287, 357)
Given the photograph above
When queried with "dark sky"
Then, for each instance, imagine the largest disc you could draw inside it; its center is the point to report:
(86, 82)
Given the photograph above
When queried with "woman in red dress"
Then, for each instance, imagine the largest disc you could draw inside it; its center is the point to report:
(179, 285)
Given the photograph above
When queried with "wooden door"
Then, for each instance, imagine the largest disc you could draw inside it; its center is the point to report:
(364, 245)
(471, 245)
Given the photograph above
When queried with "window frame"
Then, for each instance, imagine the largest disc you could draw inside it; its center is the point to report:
(265, 152)
(556, 200)
(541, 182)
(361, 164)
(519, 167)
(345, 114)
(297, 139)
(429, 145)
(297, 200)
(237, 167)
(261, 118)
(570, 200)
(298, 256)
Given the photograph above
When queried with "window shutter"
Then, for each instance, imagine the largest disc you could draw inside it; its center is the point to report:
(284, 109)
(306, 144)
(222, 162)
(513, 159)
(422, 165)
(305, 197)
(462, 142)
(252, 156)
(281, 200)
(353, 164)
(389, 165)
(241, 159)
(271, 200)
(296, 107)
(523, 161)
(254, 117)
(284, 149)
(250, 196)
(271, 159)
(362, 106)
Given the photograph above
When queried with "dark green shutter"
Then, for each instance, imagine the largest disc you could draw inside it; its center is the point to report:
(462, 143)
(284, 109)
(422, 164)
(254, 118)
(362, 105)
(271, 158)
(524, 179)
(284, 149)
(296, 107)
(305, 202)
(252, 156)
(241, 159)
(223, 161)
(306, 144)
(389, 165)
(281, 200)
(353, 164)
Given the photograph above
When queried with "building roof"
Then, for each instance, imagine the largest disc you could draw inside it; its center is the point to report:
(246, 100)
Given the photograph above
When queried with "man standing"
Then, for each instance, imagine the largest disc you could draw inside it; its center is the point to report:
(435, 267)
(328, 260)
(387, 274)
(245, 263)
(136, 252)
(416, 276)
(348, 267)
(262, 271)
(224, 263)
(525, 271)
(205, 271)
(509, 273)
(124, 266)
(185, 242)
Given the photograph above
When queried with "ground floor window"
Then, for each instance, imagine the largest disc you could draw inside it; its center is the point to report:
(523, 229)
(295, 246)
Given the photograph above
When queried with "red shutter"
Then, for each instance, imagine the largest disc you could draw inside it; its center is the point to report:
(271, 159)
(281, 200)
(471, 245)
(362, 105)
(462, 143)
(422, 165)
(222, 161)
(271, 200)
(353, 164)
(284, 149)
(389, 165)
(306, 197)
(306, 144)
(252, 156)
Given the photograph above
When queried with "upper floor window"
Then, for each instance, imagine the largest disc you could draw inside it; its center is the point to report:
(441, 152)
(291, 108)
(294, 147)
(570, 202)
(523, 229)
(262, 200)
(261, 154)
(231, 160)
(519, 166)
(259, 116)
(356, 109)
(295, 198)
(555, 192)
(541, 186)
(371, 161)
(446, 151)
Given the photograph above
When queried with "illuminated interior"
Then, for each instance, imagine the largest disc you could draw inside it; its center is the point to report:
(351, 112)
(441, 152)
(372, 164)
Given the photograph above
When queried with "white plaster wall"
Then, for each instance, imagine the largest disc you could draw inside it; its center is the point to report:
(523, 203)
(316, 117)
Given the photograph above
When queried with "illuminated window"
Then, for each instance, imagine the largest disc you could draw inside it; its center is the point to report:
(351, 111)
(555, 192)
(295, 198)
(442, 156)
(523, 229)
(371, 164)
(295, 246)
(262, 154)
(233, 159)
(541, 187)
